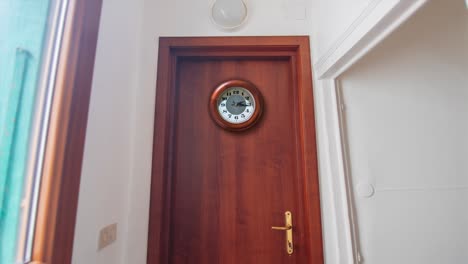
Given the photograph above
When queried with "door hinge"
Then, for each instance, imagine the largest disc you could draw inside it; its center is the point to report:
(359, 258)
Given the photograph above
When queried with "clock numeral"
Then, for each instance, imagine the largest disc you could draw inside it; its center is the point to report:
(229, 94)
(224, 98)
(242, 93)
(242, 115)
(229, 115)
(247, 98)
(247, 110)
(224, 111)
(236, 117)
(223, 104)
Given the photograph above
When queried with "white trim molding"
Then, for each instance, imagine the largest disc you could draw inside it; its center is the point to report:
(376, 21)
(341, 244)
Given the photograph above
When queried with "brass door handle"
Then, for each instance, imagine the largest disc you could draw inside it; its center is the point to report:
(281, 228)
(289, 231)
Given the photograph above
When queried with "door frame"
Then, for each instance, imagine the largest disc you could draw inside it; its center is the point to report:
(171, 49)
(377, 21)
(65, 132)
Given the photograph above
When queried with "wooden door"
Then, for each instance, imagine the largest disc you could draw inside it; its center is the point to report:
(215, 194)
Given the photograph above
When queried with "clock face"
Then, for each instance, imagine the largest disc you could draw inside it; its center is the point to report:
(236, 105)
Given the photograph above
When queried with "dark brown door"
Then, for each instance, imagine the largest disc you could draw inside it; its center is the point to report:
(215, 193)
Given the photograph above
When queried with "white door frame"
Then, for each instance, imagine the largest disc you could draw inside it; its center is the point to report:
(375, 23)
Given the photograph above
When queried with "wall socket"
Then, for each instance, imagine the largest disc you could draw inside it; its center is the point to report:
(107, 236)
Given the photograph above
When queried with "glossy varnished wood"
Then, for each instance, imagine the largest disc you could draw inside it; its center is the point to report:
(215, 194)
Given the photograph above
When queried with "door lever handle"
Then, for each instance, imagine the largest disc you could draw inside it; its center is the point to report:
(289, 232)
(281, 228)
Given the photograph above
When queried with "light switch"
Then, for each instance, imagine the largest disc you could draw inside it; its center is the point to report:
(107, 236)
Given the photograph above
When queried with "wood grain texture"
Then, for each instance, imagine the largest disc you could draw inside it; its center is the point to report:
(55, 224)
(215, 194)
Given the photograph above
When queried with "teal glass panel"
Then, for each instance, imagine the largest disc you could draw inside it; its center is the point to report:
(22, 28)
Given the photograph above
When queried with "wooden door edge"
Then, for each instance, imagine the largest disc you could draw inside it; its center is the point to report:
(58, 200)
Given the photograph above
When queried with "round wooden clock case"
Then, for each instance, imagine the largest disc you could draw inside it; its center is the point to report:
(236, 105)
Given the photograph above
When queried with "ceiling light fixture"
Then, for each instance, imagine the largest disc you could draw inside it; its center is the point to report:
(229, 14)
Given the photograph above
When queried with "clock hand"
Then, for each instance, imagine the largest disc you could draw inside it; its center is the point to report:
(243, 104)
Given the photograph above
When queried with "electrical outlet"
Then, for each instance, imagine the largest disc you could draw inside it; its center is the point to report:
(107, 236)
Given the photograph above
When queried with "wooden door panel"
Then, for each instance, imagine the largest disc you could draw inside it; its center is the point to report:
(224, 190)
(233, 185)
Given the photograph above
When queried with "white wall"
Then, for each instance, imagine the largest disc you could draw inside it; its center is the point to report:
(107, 159)
(407, 128)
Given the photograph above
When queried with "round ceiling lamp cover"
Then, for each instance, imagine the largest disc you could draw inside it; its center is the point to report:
(229, 14)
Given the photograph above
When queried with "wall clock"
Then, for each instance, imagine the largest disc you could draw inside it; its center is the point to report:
(236, 105)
